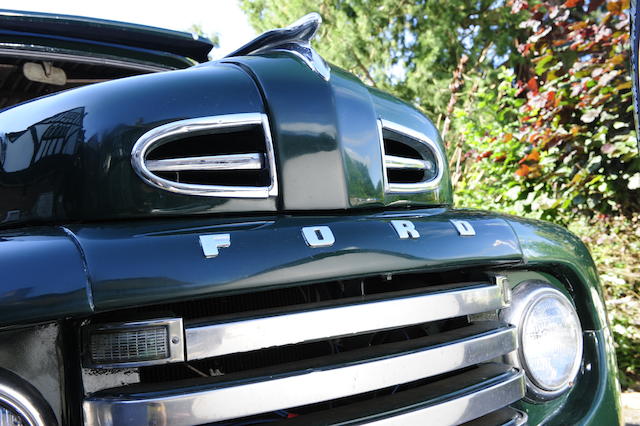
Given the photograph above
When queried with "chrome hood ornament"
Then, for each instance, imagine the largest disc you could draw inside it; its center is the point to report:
(296, 38)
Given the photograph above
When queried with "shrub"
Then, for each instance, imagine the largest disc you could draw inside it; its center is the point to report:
(554, 140)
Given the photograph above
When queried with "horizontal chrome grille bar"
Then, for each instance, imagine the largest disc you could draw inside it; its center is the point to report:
(222, 400)
(449, 401)
(464, 408)
(209, 340)
(394, 162)
(506, 417)
(209, 163)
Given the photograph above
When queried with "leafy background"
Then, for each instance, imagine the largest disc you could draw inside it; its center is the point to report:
(533, 99)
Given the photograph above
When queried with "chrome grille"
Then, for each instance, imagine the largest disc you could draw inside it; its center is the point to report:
(444, 370)
(221, 156)
(413, 162)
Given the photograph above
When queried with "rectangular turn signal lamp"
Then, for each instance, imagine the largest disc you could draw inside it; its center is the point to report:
(133, 344)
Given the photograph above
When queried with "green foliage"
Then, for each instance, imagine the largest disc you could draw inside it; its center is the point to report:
(558, 137)
(615, 245)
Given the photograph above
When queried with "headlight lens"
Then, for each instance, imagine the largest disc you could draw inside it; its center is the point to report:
(10, 418)
(550, 349)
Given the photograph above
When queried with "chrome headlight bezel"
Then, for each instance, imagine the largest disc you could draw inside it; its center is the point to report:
(525, 297)
(24, 401)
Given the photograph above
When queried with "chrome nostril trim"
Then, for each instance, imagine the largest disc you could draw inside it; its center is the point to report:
(148, 169)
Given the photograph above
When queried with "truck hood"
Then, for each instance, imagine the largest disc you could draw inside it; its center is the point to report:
(275, 130)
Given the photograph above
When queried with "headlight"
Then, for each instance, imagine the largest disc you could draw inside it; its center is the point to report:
(550, 338)
(9, 417)
(21, 404)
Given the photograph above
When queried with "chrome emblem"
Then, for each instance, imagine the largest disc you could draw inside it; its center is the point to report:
(463, 227)
(296, 39)
(318, 236)
(211, 243)
(405, 229)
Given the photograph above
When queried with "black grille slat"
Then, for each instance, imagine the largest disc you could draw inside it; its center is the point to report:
(233, 141)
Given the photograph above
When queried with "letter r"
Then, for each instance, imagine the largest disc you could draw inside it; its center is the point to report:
(405, 229)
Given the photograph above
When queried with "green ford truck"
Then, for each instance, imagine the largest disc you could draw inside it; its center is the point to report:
(263, 239)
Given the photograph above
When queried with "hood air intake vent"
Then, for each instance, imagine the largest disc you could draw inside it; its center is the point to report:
(221, 156)
(412, 161)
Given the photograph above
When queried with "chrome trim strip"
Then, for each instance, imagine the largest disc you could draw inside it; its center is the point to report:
(35, 54)
(224, 401)
(204, 341)
(175, 341)
(465, 408)
(419, 138)
(393, 162)
(213, 124)
(211, 162)
(507, 416)
(385, 178)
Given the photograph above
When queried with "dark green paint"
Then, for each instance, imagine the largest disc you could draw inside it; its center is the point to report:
(160, 261)
(43, 277)
(360, 143)
(303, 123)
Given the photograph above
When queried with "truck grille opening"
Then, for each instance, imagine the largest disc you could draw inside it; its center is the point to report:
(222, 156)
(412, 161)
(336, 352)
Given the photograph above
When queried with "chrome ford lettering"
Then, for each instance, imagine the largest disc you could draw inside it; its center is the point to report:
(463, 227)
(318, 236)
(405, 229)
(211, 243)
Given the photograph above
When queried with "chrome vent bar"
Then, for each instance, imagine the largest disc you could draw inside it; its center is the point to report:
(395, 162)
(427, 160)
(212, 162)
(156, 171)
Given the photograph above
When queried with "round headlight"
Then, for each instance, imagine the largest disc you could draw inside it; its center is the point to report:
(550, 338)
(21, 404)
